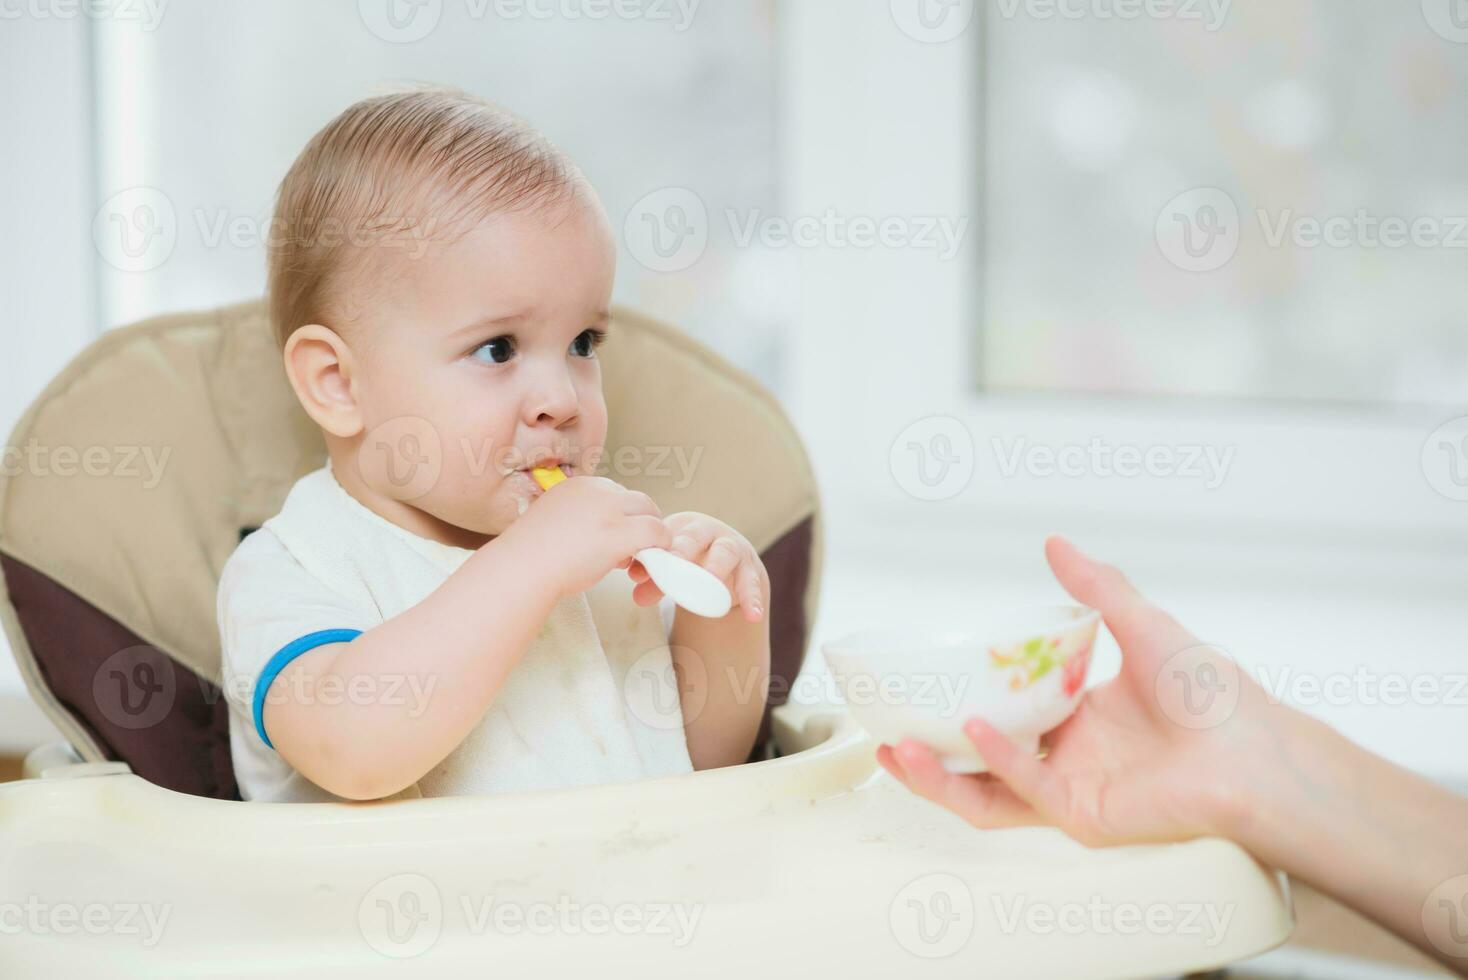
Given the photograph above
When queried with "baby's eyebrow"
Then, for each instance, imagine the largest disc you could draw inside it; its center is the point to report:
(601, 318)
(485, 323)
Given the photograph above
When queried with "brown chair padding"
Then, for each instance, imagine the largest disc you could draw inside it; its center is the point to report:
(110, 562)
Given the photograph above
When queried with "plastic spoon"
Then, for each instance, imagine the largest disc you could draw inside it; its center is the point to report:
(690, 586)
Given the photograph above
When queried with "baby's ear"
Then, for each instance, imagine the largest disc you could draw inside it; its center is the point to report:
(321, 369)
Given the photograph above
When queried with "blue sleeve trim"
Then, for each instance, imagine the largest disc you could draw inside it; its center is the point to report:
(284, 656)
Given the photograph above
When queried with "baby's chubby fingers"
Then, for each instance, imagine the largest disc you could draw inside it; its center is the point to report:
(725, 554)
(749, 590)
(692, 534)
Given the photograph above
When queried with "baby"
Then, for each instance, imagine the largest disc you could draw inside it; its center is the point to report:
(421, 618)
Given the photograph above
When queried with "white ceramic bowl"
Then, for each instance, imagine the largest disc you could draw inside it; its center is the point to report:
(1022, 670)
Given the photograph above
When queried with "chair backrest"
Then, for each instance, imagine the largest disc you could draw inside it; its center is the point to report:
(138, 470)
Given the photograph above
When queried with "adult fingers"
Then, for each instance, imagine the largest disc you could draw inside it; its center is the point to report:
(1132, 619)
(983, 802)
(1029, 778)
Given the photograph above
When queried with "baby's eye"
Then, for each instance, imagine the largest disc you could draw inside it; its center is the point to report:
(500, 349)
(587, 341)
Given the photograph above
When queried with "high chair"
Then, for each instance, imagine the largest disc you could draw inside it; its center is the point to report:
(807, 858)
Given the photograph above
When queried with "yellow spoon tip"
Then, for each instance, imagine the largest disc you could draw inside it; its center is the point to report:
(548, 478)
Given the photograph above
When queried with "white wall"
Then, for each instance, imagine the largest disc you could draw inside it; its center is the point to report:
(47, 295)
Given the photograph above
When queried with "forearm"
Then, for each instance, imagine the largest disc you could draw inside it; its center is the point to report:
(1374, 836)
(413, 687)
(723, 672)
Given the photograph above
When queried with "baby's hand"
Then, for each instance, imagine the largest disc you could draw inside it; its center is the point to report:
(721, 550)
(1131, 764)
(582, 528)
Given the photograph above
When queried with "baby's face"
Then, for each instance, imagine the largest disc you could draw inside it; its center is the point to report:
(491, 341)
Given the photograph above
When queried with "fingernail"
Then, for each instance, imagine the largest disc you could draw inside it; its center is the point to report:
(682, 542)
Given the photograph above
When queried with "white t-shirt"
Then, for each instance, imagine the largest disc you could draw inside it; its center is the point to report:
(582, 707)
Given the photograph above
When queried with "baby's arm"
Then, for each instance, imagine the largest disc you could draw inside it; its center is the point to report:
(735, 654)
(458, 644)
(722, 665)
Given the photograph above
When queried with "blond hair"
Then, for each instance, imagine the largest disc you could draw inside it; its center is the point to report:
(392, 171)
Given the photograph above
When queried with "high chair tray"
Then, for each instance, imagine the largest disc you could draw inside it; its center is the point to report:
(815, 863)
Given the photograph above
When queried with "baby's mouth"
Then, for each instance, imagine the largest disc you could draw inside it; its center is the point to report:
(548, 464)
